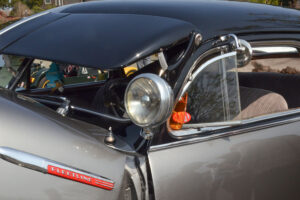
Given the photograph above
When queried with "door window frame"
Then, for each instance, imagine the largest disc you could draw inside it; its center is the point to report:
(209, 129)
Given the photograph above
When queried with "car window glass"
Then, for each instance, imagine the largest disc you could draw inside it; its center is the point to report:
(263, 87)
(47, 74)
(273, 65)
(213, 95)
(269, 85)
(9, 66)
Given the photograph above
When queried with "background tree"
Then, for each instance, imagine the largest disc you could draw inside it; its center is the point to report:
(4, 3)
(285, 3)
(32, 3)
(29, 3)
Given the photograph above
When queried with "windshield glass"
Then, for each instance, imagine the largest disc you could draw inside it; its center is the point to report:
(9, 66)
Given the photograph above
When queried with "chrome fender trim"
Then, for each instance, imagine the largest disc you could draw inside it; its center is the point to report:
(46, 166)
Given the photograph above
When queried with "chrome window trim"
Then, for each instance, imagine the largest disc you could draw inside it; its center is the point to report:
(271, 49)
(277, 43)
(178, 134)
(193, 140)
(213, 126)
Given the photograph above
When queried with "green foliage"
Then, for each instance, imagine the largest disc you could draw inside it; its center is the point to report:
(50, 6)
(271, 2)
(4, 3)
(35, 6)
(274, 2)
(32, 3)
(37, 9)
(29, 3)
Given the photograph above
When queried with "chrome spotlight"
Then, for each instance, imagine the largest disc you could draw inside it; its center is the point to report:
(148, 100)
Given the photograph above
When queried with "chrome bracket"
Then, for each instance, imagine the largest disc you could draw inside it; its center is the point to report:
(236, 42)
(242, 47)
(64, 108)
(163, 62)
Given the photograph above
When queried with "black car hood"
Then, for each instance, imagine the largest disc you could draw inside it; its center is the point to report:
(104, 41)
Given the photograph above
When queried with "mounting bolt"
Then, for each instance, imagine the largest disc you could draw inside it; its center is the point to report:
(146, 134)
(198, 39)
(109, 138)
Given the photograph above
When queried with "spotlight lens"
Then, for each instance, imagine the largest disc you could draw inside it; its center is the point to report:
(148, 100)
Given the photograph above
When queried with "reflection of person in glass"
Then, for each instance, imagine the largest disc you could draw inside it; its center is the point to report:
(9, 66)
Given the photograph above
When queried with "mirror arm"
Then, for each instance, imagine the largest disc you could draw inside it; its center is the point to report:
(65, 105)
(107, 116)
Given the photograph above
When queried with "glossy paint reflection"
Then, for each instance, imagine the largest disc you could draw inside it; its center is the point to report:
(255, 165)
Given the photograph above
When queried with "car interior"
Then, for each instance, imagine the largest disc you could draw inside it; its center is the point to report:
(266, 86)
(268, 91)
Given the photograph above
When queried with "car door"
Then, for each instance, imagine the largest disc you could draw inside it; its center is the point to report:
(221, 156)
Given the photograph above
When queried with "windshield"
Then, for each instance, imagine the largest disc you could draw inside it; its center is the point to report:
(9, 66)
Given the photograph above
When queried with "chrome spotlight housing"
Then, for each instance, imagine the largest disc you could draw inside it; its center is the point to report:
(148, 100)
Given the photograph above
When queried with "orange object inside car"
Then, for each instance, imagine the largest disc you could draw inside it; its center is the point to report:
(32, 79)
(179, 115)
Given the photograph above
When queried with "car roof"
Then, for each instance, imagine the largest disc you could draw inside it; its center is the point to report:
(112, 34)
(209, 16)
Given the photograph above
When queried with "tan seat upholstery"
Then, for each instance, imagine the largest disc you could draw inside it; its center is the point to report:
(286, 85)
(256, 102)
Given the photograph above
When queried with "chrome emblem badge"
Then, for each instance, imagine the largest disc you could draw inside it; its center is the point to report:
(51, 167)
(75, 176)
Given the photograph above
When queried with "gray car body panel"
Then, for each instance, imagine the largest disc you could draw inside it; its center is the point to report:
(33, 128)
(261, 164)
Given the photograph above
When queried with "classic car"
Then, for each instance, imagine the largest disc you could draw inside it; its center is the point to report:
(210, 111)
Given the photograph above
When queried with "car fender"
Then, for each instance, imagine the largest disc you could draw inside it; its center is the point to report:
(33, 129)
